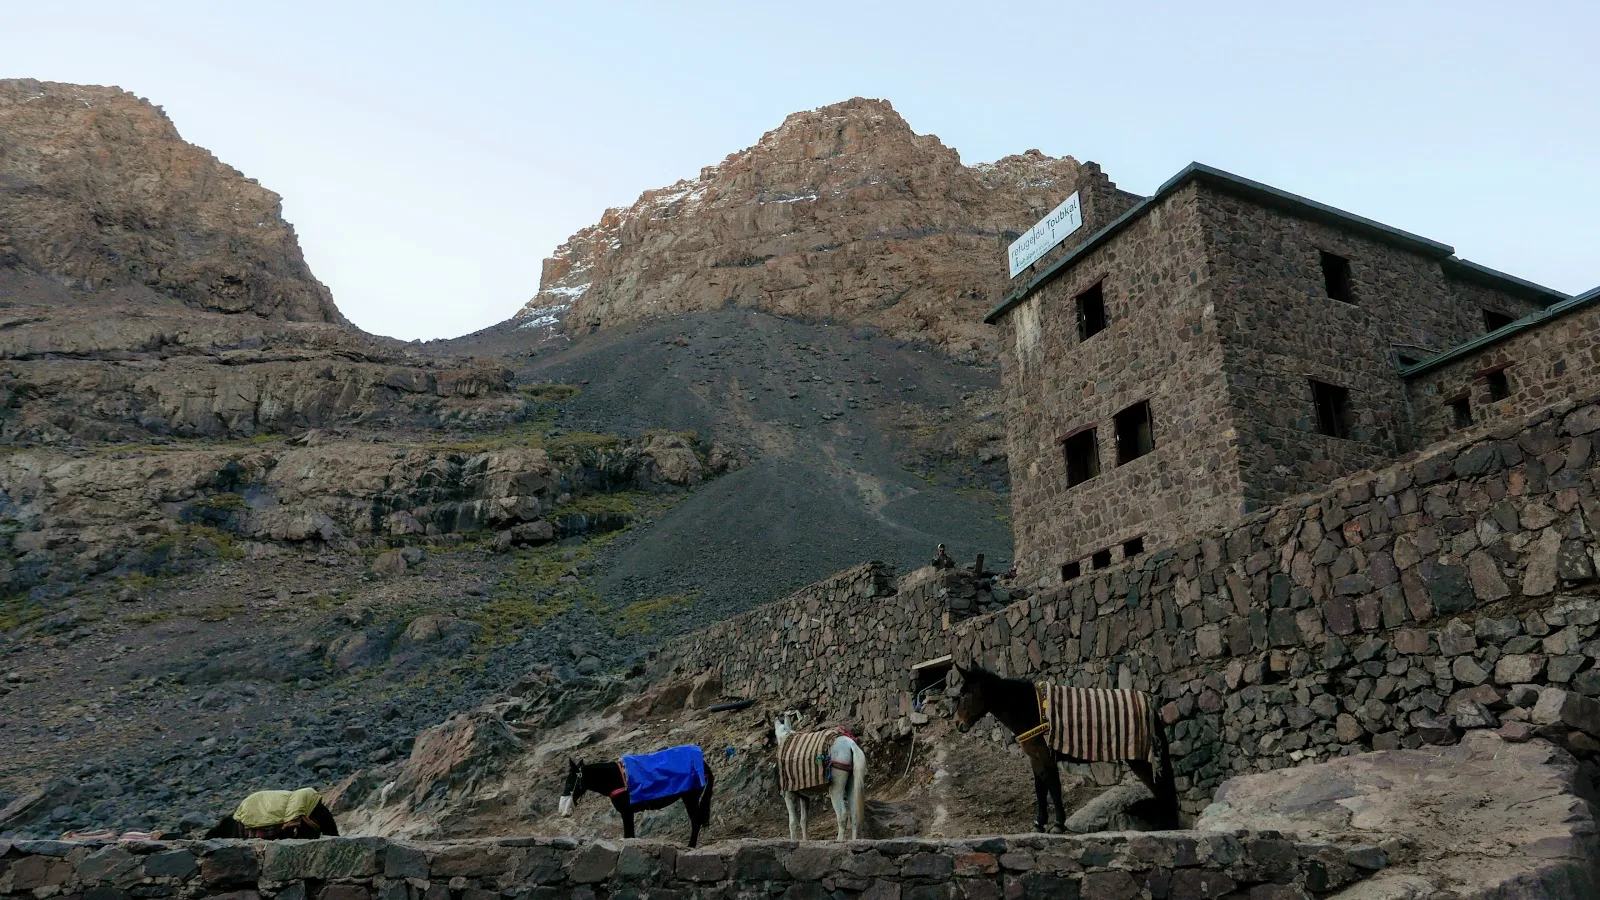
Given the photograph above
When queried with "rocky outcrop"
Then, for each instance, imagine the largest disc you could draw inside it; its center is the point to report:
(99, 192)
(840, 214)
(147, 288)
(151, 510)
(1485, 818)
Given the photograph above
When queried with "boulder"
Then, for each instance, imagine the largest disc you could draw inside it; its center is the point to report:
(389, 564)
(1484, 818)
(1109, 811)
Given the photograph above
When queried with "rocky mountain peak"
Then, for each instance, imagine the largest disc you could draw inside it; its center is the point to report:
(841, 213)
(99, 192)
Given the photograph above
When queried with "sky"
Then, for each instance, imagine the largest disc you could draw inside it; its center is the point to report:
(431, 155)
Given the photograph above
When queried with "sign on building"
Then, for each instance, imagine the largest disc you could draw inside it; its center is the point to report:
(1050, 231)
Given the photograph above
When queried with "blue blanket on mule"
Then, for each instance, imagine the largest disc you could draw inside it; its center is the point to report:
(664, 773)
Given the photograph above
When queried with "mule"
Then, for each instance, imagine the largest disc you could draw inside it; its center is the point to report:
(318, 823)
(1016, 704)
(607, 778)
(846, 784)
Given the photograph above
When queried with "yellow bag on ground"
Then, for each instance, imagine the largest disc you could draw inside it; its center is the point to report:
(264, 809)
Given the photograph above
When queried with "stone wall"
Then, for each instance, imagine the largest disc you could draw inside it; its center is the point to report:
(845, 644)
(1553, 361)
(1342, 621)
(1219, 317)
(1174, 865)
(1158, 347)
(1280, 329)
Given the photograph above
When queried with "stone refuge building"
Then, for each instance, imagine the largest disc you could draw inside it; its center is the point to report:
(1190, 357)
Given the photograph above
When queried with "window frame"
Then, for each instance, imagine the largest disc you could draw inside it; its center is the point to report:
(1149, 433)
(1086, 436)
(1337, 421)
(1339, 278)
(1099, 290)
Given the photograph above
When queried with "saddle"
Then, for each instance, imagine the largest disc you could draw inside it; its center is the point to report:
(804, 762)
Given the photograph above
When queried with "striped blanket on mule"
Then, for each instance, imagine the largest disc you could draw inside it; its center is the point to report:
(803, 761)
(1093, 724)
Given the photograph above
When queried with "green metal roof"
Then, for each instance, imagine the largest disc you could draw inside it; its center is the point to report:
(1267, 195)
(1504, 332)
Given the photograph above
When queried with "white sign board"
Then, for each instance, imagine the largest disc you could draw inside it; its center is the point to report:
(1050, 231)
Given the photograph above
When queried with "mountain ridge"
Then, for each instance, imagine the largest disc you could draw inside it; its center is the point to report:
(840, 214)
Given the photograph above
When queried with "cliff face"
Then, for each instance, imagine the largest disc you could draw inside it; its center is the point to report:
(98, 192)
(841, 213)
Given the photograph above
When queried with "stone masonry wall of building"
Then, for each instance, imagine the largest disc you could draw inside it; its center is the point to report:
(1122, 866)
(1553, 361)
(1280, 329)
(1342, 621)
(1157, 346)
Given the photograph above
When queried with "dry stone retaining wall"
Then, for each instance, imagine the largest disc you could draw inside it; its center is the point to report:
(1174, 865)
(843, 644)
(1343, 621)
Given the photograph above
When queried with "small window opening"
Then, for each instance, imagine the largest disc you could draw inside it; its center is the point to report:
(1461, 411)
(1494, 321)
(928, 676)
(1134, 435)
(1336, 277)
(1132, 547)
(1083, 457)
(1499, 385)
(1333, 409)
(1091, 312)
(1071, 570)
(1407, 359)
(1101, 558)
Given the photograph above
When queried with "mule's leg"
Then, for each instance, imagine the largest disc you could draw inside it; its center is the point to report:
(1043, 814)
(794, 823)
(1146, 773)
(627, 822)
(836, 794)
(1053, 784)
(805, 815)
(691, 806)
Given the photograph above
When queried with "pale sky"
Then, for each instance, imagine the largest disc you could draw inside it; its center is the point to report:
(430, 155)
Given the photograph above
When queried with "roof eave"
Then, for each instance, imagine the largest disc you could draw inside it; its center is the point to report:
(1554, 311)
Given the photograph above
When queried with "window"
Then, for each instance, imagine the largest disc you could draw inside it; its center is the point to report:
(1101, 558)
(1407, 359)
(1132, 547)
(1083, 457)
(1494, 321)
(1091, 312)
(1134, 436)
(1333, 409)
(1336, 277)
(1071, 570)
(1461, 412)
(1499, 384)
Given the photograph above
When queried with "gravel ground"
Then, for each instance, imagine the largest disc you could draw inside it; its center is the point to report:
(853, 448)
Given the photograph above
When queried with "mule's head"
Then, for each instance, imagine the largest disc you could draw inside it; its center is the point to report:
(787, 723)
(971, 704)
(227, 828)
(572, 789)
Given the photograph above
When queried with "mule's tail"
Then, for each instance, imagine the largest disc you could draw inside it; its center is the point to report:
(1166, 785)
(858, 787)
(705, 799)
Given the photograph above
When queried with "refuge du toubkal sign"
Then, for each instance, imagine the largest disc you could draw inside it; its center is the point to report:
(1048, 232)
